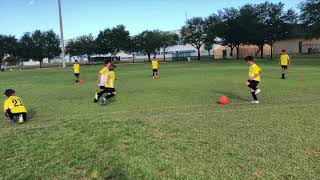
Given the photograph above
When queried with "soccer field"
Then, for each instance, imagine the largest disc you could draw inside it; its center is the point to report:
(167, 128)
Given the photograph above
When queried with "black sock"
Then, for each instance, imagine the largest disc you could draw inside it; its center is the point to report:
(283, 75)
(100, 93)
(254, 96)
(110, 96)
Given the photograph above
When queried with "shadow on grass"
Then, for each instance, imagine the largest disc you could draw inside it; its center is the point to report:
(30, 114)
(232, 95)
(117, 173)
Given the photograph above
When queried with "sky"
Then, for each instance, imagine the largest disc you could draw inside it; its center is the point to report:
(81, 17)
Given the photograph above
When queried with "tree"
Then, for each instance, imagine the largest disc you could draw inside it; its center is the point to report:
(310, 17)
(228, 29)
(275, 22)
(168, 39)
(113, 40)
(211, 31)
(194, 33)
(8, 46)
(82, 45)
(39, 45)
(148, 42)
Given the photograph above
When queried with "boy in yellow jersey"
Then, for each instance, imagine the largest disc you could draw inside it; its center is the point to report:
(284, 62)
(102, 80)
(254, 79)
(13, 106)
(155, 66)
(110, 90)
(76, 70)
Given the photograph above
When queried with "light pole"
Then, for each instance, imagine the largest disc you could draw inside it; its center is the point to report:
(61, 33)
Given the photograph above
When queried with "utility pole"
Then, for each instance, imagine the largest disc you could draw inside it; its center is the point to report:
(61, 33)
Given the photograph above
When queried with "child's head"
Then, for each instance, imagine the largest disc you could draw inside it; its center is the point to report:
(283, 51)
(76, 61)
(249, 60)
(112, 67)
(107, 63)
(9, 92)
(154, 58)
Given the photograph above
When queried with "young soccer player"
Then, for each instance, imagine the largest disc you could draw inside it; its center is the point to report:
(110, 90)
(284, 62)
(13, 107)
(76, 70)
(155, 66)
(254, 79)
(103, 77)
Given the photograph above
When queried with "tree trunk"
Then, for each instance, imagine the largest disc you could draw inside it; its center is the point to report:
(164, 55)
(238, 51)
(209, 52)
(198, 54)
(271, 55)
(40, 62)
(133, 58)
(149, 57)
(231, 52)
(261, 51)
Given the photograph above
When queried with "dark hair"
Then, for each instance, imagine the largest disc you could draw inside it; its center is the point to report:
(112, 67)
(283, 50)
(76, 61)
(9, 92)
(249, 58)
(107, 62)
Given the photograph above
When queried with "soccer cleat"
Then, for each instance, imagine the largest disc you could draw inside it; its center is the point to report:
(254, 102)
(20, 120)
(96, 99)
(257, 91)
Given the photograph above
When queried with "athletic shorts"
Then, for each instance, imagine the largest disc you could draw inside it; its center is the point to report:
(77, 74)
(110, 90)
(154, 70)
(253, 84)
(285, 67)
(102, 87)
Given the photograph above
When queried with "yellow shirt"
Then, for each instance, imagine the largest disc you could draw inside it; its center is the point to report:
(14, 103)
(284, 59)
(76, 68)
(155, 64)
(103, 76)
(112, 78)
(254, 69)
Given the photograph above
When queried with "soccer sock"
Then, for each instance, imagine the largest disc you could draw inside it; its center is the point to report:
(110, 96)
(100, 93)
(254, 96)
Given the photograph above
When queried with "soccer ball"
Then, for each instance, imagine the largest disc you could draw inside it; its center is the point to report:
(224, 100)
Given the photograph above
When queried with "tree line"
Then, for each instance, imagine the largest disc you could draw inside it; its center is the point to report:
(251, 24)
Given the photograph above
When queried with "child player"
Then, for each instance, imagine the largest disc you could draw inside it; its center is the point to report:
(155, 66)
(254, 79)
(13, 107)
(76, 70)
(110, 90)
(102, 80)
(284, 62)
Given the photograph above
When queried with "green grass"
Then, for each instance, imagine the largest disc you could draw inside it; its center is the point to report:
(168, 128)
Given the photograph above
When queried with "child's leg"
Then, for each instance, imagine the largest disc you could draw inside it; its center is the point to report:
(112, 93)
(10, 115)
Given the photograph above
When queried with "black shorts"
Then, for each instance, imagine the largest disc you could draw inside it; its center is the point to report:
(77, 74)
(285, 67)
(109, 90)
(154, 70)
(253, 84)
(11, 115)
(102, 87)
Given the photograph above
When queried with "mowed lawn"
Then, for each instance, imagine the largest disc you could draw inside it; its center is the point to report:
(168, 128)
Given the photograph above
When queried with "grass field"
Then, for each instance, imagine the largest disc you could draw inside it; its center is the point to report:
(168, 128)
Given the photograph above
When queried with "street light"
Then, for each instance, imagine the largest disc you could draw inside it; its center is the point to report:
(61, 33)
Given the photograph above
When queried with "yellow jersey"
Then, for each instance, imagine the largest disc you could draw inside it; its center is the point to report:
(255, 69)
(155, 64)
(76, 68)
(15, 104)
(284, 59)
(112, 78)
(103, 76)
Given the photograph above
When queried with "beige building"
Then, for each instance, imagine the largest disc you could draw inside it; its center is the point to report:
(297, 45)
(223, 52)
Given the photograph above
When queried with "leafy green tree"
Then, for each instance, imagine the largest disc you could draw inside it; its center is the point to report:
(39, 45)
(310, 17)
(194, 33)
(82, 45)
(113, 40)
(148, 42)
(8, 46)
(168, 39)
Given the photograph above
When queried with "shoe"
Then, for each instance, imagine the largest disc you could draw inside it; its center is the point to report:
(257, 91)
(104, 102)
(254, 102)
(20, 120)
(96, 98)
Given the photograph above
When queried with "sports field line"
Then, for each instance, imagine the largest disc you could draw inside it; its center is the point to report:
(189, 106)
(167, 115)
